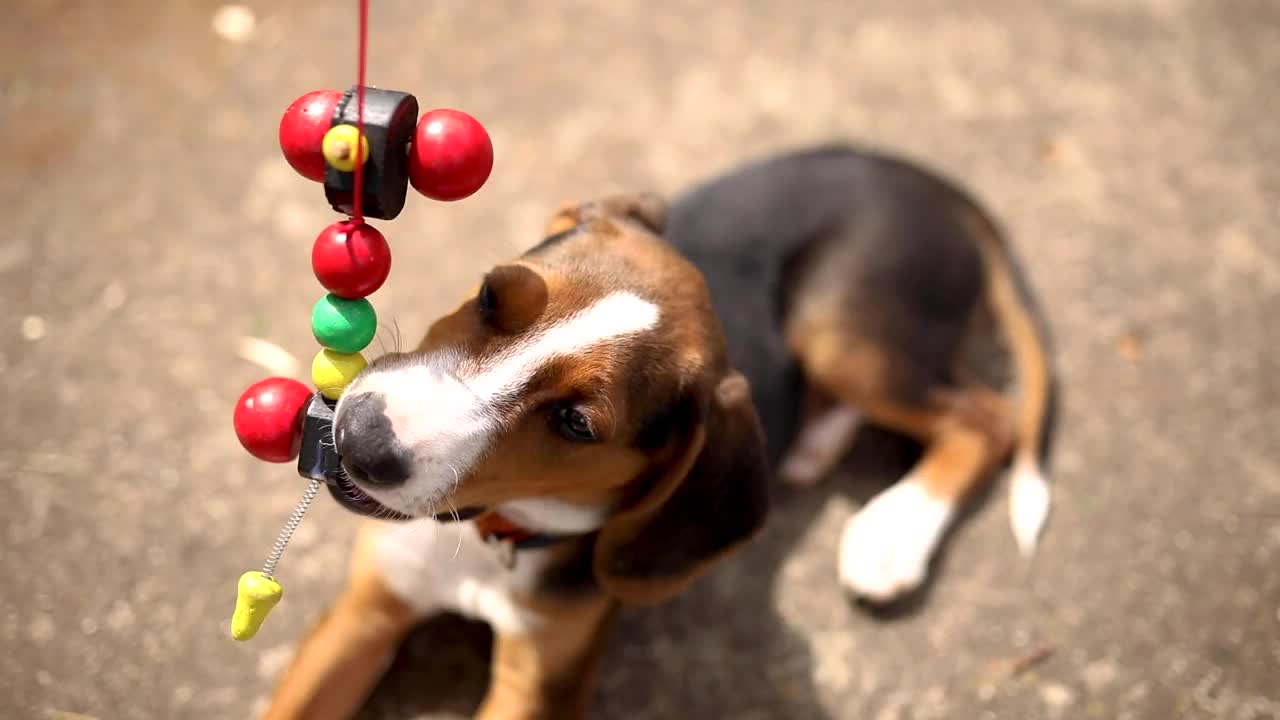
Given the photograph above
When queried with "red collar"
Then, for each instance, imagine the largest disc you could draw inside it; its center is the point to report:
(495, 527)
(507, 537)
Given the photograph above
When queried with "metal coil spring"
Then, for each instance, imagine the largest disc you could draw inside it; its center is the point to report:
(290, 525)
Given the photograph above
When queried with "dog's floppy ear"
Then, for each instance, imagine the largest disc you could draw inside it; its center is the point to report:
(707, 498)
(648, 209)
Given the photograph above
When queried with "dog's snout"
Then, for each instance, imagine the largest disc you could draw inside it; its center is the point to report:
(367, 445)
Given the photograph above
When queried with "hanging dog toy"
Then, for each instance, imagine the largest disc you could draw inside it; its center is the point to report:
(366, 146)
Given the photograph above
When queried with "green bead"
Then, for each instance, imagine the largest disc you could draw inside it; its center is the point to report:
(347, 326)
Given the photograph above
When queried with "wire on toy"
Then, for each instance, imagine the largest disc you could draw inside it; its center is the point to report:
(357, 204)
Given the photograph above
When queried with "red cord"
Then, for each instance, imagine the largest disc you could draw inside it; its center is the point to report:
(357, 213)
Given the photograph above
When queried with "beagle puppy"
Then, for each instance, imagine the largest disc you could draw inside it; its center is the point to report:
(582, 431)
(849, 284)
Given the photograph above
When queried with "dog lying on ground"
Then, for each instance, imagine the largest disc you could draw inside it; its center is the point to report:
(604, 413)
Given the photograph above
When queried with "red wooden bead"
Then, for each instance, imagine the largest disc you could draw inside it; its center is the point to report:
(351, 260)
(268, 418)
(451, 155)
(302, 128)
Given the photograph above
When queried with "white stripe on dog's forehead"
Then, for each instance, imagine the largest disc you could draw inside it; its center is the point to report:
(444, 407)
(612, 317)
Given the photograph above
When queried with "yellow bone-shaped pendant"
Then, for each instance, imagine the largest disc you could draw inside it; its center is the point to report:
(256, 594)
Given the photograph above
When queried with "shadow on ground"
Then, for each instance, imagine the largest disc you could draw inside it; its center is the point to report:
(653, 667)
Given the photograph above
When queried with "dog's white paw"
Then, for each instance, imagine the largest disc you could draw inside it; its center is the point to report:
(886, 546)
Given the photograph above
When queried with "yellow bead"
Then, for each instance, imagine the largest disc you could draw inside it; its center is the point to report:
(333, 371)
(337, 147)
(256, 594)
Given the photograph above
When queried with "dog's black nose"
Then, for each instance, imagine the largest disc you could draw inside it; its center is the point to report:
(368, 447)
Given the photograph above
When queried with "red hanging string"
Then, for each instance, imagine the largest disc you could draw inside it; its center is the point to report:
(357, 209)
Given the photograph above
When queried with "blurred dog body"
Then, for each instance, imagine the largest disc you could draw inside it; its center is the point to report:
(602, 415)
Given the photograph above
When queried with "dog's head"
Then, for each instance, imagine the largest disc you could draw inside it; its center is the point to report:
(591, 372)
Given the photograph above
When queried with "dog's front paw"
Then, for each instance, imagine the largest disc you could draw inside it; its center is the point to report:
(886, 546)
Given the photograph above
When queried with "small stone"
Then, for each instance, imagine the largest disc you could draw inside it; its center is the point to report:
(89, 626)
(33, 328)
(41, 629)
(933, 705)
(234, 23)
(113, 296)
(1056, 696)
(1130, 346)
(183, 694)
(1098, 675)
(1137, 693)
(986, 692)
(69, 394)
(43, 678)
(1060, 150)
(120, 617)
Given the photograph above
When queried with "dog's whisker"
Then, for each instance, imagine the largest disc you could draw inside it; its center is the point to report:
(457, 519)
(392, 336)
(453, 510)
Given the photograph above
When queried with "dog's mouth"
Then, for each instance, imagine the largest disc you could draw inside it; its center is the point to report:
(351, 497)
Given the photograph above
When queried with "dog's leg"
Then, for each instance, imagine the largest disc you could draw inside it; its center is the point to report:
(820, 445)
(548, 672)
(886, 547)
(347, 650)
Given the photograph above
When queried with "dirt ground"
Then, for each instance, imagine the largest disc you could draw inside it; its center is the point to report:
(1130, 148)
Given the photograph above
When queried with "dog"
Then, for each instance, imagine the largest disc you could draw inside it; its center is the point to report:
(849, 284)
(601, 418)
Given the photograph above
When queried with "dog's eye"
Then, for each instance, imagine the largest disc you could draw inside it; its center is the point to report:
(573, 425)
(487, 302)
